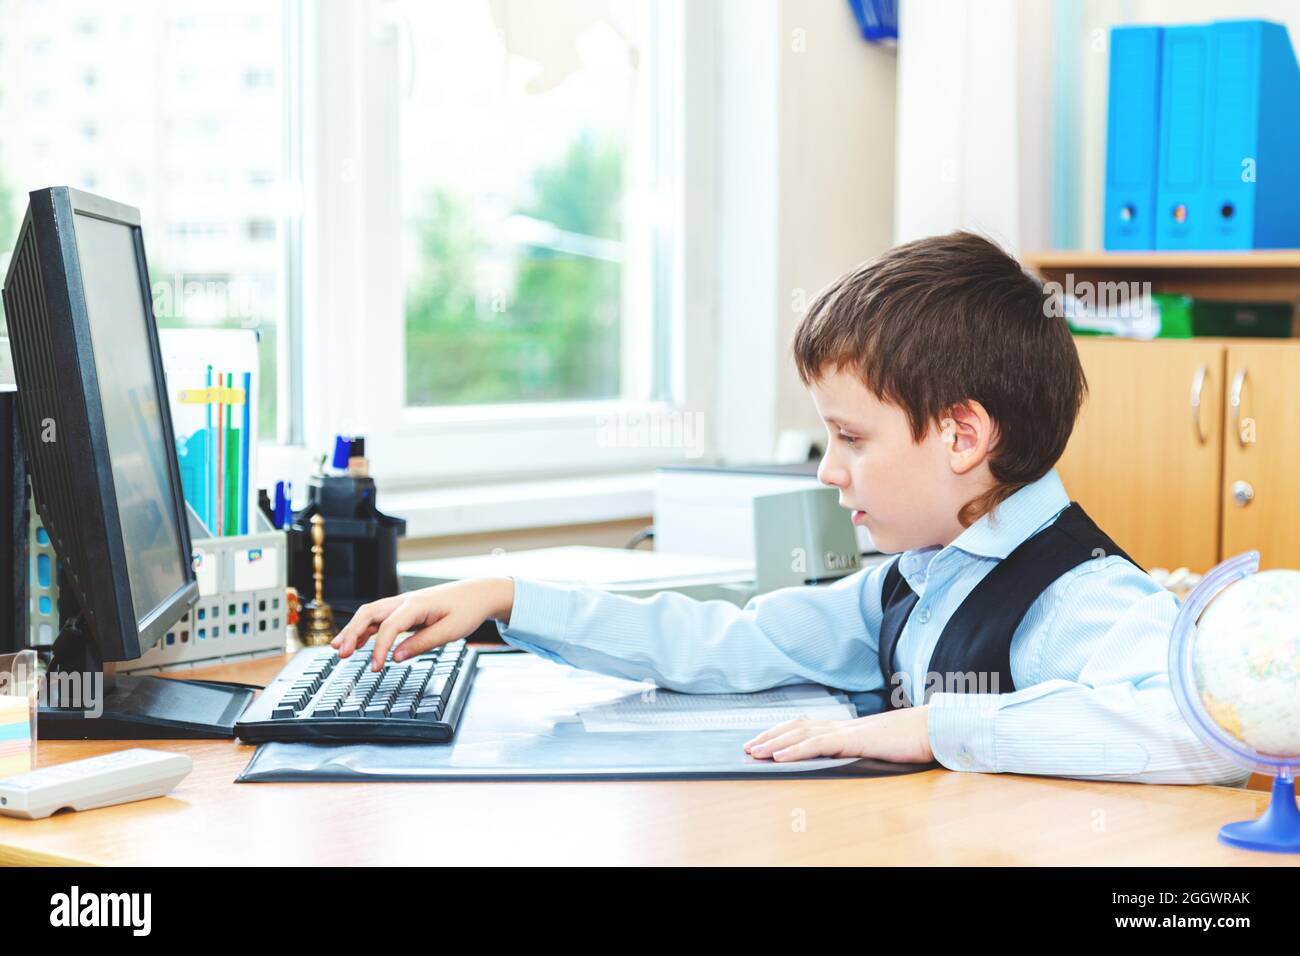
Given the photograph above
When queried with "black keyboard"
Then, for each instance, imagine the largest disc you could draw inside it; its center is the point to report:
(319, 697)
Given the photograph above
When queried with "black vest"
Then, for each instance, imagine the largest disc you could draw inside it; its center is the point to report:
(976, 641)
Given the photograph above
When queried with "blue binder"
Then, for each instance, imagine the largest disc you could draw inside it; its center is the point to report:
(1132, 138)
(1229, 166)
(1181, 194)
(1252, 190)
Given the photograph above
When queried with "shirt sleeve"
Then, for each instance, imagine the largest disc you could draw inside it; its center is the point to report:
(1097, 702)
(819, 634)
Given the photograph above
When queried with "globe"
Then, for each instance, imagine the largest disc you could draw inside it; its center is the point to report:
(1246, 662)
(1234, 666)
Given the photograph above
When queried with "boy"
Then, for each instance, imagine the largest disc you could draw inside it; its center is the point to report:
(1010, 635)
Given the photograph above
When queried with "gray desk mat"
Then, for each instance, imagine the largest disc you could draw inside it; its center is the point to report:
(522, 722)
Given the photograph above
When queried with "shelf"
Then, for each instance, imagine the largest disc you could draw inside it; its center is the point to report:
(1257, 275)
(1285, 260)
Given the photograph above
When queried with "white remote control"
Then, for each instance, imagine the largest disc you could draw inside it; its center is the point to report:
(120, 777)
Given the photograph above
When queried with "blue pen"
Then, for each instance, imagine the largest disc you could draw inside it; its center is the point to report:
(342, 451)
(281, 505)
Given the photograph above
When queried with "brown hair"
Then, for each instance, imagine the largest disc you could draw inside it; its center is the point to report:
(949, 319)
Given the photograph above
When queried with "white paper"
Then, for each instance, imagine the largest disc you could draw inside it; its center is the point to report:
(257, 569)
(656, 709)
(205, 570)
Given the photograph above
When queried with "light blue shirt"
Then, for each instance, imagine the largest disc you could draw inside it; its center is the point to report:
(1089, 658)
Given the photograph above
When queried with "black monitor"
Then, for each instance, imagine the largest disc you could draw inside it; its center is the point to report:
(97, 432)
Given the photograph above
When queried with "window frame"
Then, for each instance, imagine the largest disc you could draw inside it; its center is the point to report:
(353, 371)
(289, 430)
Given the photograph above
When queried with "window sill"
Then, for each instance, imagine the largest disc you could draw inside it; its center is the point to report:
(509, 506)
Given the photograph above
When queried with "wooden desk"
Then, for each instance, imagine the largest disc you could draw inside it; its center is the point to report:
(938, 817)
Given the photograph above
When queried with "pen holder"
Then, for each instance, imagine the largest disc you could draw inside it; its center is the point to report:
(360, 547)
(18, 703)
(242, 611)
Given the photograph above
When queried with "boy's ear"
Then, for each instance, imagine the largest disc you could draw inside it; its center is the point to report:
(967, 434)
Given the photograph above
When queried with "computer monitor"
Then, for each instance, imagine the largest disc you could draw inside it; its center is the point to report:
(97, 432)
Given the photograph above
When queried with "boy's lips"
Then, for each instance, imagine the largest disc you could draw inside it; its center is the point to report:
(858, 517)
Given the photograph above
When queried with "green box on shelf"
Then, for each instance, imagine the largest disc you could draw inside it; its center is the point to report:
(1170, 316)
(1182, 317)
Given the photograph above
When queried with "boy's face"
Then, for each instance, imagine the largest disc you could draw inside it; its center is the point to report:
(905, 493)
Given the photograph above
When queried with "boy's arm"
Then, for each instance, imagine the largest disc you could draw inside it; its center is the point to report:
(826, 635)
(1096, 703)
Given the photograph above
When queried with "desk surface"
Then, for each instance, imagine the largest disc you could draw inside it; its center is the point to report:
(937, 817)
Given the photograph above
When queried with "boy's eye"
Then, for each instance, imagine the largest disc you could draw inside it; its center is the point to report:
(848, 439)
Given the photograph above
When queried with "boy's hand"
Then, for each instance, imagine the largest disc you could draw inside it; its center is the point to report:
(900, 735)
(437, 615)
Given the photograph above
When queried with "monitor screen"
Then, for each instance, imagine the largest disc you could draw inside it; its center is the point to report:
(118, 311)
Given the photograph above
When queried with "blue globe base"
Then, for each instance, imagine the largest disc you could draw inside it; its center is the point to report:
(1277, 831)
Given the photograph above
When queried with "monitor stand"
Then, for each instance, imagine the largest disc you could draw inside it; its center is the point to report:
(99, 704)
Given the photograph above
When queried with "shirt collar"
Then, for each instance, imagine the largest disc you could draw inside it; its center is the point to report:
(997, 534)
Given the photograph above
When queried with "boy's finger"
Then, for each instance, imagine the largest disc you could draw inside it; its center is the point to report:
(434, 635)
(403, 618)
(772, 732)
(364, 623)
(350, 639)
(820, 745)
(787, 739)
(801, 727)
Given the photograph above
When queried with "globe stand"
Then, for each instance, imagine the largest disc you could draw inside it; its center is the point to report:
(1277, 831)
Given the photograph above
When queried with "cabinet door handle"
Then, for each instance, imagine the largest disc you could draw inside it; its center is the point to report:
(1198, 386)
(1234, 403)
(1242, 493)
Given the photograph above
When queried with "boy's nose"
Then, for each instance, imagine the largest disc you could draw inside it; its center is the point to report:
(828, 473)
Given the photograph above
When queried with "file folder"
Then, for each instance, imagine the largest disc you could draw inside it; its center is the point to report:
(1252, 191)
(1228, 174)
(1181, 194)
(528, 719)
(1132, 137)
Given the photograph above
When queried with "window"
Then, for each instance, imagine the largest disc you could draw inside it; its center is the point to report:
(260, 230)
(530, 290)
(494, 190)
(173, 110)
(520, 126)
(259, 79)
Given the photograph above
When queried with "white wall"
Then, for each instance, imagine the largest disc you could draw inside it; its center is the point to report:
(974, 140)
(837, 168)
(749, 156)
(806, 169)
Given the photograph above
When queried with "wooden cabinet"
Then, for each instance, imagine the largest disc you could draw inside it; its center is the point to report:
(1147, 452)
(1188, 451)
(1261, 453)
